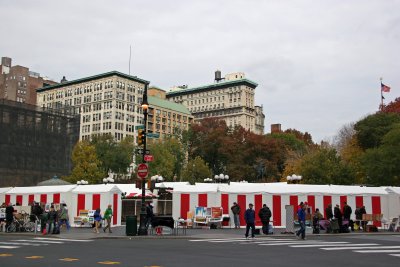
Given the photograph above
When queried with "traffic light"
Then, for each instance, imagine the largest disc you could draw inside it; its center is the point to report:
(141, 137)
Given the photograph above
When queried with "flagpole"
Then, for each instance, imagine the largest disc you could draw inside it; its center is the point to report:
(381, 96)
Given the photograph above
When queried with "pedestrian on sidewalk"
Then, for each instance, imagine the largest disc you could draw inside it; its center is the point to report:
(236, 213)
(97, 220)
(63, 216)
(250, 217)
(107, 216)
(51, 220)
(301, 215)
(265, 216)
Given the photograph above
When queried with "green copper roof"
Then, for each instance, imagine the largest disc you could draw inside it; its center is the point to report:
(156, 101)
(91, 78)
(214, 85)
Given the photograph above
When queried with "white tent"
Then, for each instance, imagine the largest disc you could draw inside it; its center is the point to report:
(43, 194)
(277, 196)
(3, 191)
(91, 197)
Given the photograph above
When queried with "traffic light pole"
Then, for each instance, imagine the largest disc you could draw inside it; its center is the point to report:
(142, 227)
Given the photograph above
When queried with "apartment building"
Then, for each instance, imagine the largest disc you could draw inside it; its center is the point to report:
(165, 117)
(18, 83)
(108, 103)
(230, 98)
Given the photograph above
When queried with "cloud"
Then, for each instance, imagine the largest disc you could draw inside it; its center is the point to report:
(317, 63)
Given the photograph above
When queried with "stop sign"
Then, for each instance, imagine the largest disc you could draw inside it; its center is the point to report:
(142, 170)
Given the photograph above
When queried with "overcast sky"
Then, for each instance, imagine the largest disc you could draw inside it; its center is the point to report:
(317, 63)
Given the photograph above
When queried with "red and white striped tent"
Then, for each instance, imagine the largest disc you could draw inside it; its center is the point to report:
(3, 192)
(276, 195)
(44, 194)
(91, 197)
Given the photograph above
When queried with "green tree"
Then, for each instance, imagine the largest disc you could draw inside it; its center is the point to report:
(164, 162)
(196, 170)
(382, 164)
(372, 129)
(86, 164)
(324, 166)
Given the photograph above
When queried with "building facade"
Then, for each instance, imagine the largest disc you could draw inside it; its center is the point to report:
(35, 143)
(230, 98)
(166, 118)
(108, 103)
(18, 83)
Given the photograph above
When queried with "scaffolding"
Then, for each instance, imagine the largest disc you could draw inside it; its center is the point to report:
(35, 143)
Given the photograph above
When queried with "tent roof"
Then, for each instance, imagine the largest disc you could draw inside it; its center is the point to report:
(128, 188)
(41, 189)
(53, 181)
(281, 188)
(393, 190)
(96, 188)
(5, 189)
(170, 184)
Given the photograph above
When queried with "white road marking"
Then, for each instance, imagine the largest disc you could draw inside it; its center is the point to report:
(396, 255)
(374, 247)
(331, 245)
(226, 239)
(40, 241)
(62, 239)
(378, 251)
(298, 242)
(22, 244)
(9, 247)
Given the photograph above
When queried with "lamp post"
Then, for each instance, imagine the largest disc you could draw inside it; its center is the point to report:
(82, 182)
(294, 178)
(145, 107)
(221, 178)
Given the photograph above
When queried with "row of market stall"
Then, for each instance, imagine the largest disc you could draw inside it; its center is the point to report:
(185, 198)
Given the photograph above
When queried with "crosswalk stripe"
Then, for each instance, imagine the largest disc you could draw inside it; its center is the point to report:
(298, 242)
(40, 241)
(396, 255)
(22, 244)
(378, 251)
(373, 247)
(330, 245)
(9, 247)
(62, 239)
(250, 240)
(225, 239)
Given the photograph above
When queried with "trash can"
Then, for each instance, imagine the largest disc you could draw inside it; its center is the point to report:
(131, 225)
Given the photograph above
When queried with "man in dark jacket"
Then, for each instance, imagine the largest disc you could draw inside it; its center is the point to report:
(236, 211)
(338, 217)
(9, 215)
(265, 216)
(52, 220)
(301, 215)
(363, 223)
(329, 213)
(149, 214)
(250, 217)
(347, 214)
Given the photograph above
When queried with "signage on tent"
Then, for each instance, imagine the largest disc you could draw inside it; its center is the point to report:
(143, 170)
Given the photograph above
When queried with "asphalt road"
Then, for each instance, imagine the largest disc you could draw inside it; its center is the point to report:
(272, 251)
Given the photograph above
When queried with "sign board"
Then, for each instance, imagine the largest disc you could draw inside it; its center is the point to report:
(148, 157)
(137, 127)
(142, 171)
(153, 135)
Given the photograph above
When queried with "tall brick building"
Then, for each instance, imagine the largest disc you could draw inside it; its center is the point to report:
(18, 83)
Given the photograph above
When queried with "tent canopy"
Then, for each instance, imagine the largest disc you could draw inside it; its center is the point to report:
(41, 189)
(4, 190)
(96, 188)
(128, 188)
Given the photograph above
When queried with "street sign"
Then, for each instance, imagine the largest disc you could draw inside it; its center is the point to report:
(140, 151)
(137, 127)
(153, 135)
(148, 158)
(142, 170)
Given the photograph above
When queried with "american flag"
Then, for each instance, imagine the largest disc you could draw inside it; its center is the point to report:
(385, 88)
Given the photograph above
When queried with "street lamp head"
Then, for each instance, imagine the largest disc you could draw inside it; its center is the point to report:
(145, 103)
(216, 177)
(105, 180)
(221, 176)
(226, 177)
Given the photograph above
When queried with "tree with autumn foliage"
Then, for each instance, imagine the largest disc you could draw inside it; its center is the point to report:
(392, 107)
(86, 164)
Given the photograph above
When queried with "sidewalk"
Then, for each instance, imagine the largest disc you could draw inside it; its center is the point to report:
(119, 232)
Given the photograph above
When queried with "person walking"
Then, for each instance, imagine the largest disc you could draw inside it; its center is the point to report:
(347, 214)
(63, 216)
(236, 213)
(301, 215)
(149, 214)
(265, 216)
(107, 216)
(250, 217)
(329, 213)
(363, 223)
(97, 220)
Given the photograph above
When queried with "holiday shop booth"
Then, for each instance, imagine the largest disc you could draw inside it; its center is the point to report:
(277, 196)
